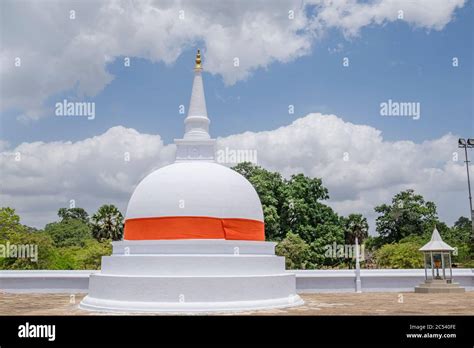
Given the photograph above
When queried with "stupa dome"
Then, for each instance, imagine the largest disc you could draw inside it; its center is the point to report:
(194, 200)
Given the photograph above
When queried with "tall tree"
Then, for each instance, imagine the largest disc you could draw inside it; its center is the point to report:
(295, 205)
(355, 225)
(69, 232)
(73, 213)
(9, 221)
(302, 211)
(305, 214)
(409, 214)
(463, 229)
(270, 189)
(107, 223)
(459, 237)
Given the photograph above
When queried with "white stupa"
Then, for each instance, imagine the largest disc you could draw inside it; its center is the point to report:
(194, 237)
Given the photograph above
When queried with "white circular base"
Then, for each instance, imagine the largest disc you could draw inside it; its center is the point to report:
(164, 276)
(101, 305)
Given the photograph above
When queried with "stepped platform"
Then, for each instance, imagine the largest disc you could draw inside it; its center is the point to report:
(439, 286)
(191, 276)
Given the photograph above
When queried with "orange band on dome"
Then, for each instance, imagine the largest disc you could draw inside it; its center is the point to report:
(193, 227)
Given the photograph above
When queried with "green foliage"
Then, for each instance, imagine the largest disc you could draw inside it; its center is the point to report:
(296, 251)
(270, 189)
(40, 257)
(73, 213)
(408, 214)
(460, 232)
(9, 220)
(294, 215)
(107, 223)
(63, 245)
(371, 243)
(295, 205)
(459, 237)
(69, 232)
(399, 255)
(327, 234)
(65, 259)
(289, 205)
(14, 235)
(409, 222)
(302, 210)
(88, 257)
(316, 223)
(460, 257)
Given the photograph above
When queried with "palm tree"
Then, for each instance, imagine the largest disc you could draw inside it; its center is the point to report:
(107, 223)
(355, 225)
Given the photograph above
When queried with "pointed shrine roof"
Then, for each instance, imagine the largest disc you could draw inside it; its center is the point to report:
(436, 243)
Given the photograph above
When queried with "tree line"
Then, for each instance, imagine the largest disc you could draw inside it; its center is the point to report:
(76, 241)
(296, 217)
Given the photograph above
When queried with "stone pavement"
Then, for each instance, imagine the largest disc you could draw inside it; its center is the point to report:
(315, 304)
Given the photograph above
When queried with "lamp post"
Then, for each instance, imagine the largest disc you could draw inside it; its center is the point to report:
(358, 283)
(462, 143)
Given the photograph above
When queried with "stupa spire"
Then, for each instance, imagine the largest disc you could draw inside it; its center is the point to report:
(198, 60)
(196, 143)
(197, 122)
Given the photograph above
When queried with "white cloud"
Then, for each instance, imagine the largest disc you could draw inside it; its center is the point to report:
(93, 171)
(63, 55)
(90, 172)
(352, 15)
(375, 170)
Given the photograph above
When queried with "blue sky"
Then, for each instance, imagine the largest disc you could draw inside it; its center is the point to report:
(394, 61)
